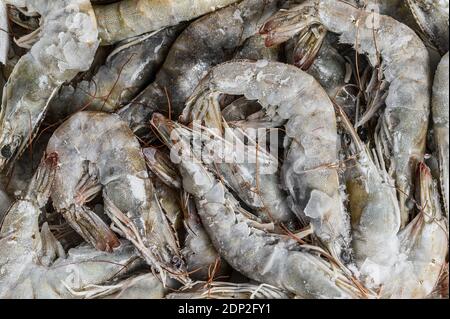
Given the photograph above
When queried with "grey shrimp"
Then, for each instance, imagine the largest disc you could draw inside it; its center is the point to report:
(128, 69)
(272, 259)
(202, 259)
(440, 110)
(33, 263)
(432, 18)
(405, 61)
(227, 290)
(99, 153)
(211, 40)
(423, 245)
(67, 45)
(128, 18)
(309, 170)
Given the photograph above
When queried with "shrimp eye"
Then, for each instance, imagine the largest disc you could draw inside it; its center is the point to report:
(6, 151)
(346, 256)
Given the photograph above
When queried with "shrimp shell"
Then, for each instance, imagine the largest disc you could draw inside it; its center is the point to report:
(440, 112)
(405, 62)
(67, 45)
(99, 153)
(129, 18)
(33, 263)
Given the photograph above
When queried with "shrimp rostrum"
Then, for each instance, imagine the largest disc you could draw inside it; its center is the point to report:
(403, 126)
(33, 263)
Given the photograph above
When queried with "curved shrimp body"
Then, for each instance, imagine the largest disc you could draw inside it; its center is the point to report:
(267, 258)
(405, 62)
(128, 69)
(211, 40)
(67, 45)
(308, 170)
(432, 18)
(424, 245)
(33, 263)
(98, 152)
(129, 18)
(440, 110)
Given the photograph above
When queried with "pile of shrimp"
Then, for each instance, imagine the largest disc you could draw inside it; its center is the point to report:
(248, 149)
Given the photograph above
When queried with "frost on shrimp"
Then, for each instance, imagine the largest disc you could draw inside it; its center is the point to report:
(405, 61)
(33, 263)
(99, 153)
(67, 45)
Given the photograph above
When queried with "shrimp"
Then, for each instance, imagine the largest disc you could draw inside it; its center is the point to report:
(374, 211)
(27, 20)
(255, 49)
(143, 286)
(67, 45)
(211, 40)
(424, 245)
(32, 261)
(129, 18)
(200, 255)
(93, 160)
(432, 18)
(272, 259)
(403, 126)
(309, 169)
(4, 33)
(440, 106)
(127, 70)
